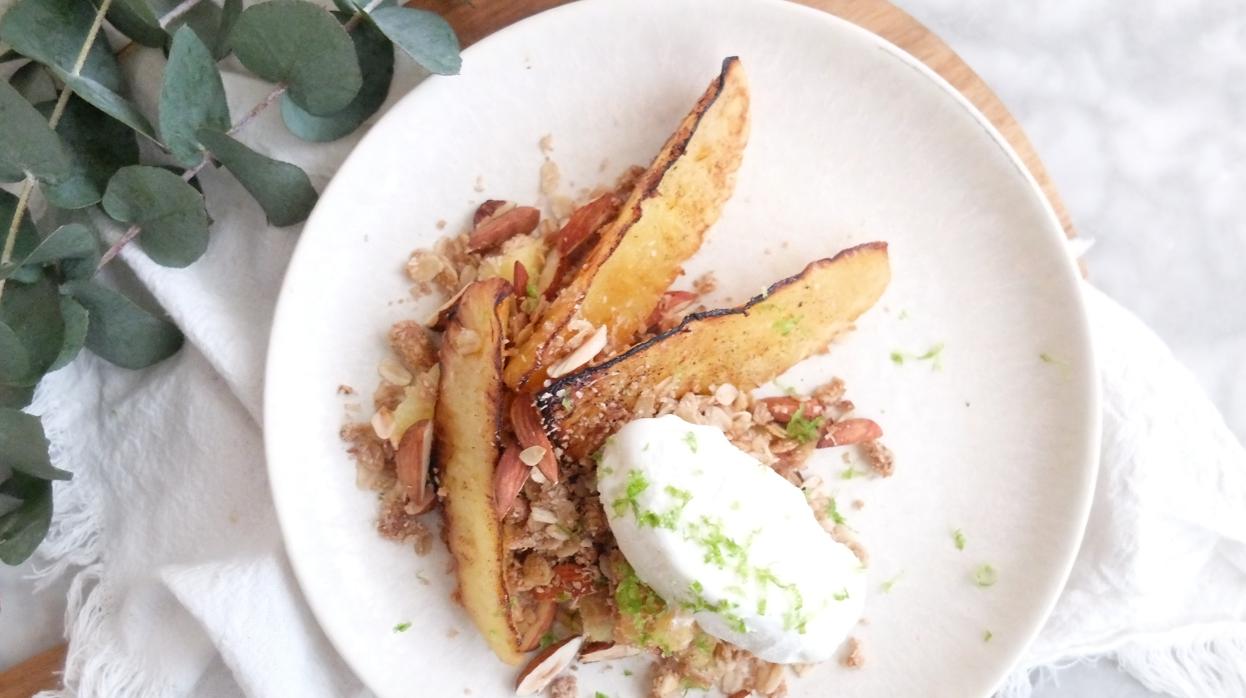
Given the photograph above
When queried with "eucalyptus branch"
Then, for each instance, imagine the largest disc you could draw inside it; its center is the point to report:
(279, 89)
(10, 238)
(28, 185)
(172, 15)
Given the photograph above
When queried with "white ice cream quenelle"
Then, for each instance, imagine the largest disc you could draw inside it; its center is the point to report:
(714, 531)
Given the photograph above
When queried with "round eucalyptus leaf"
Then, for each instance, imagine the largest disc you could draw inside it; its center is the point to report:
(422, 35)
(204, 18)
(14, 360)
(27, 240)
(16, 396)
(191, 98)
(10, 173)
(34, 83)
(26, 142)
(376, 60)
(69, 242)
(53, 31)
(23, 446)
(76, 322)
(24, 528)
(302, 45)
(230, 11)
(169, 211)
(120, 331)
(32, 315)
(282, 190)
(108, 101)
(135, 19)
(99, 146)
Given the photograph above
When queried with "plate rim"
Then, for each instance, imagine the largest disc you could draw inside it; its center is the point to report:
(283, 315)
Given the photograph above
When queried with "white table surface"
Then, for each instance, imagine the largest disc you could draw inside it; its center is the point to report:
(1137, 110)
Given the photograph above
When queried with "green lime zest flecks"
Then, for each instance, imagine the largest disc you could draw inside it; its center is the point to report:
(934, 355)
(691, 439)
(802, 429)
(833, 511)
(985, 575)
(636, 483)
(958, 538)
(889, 584)
(786, 324)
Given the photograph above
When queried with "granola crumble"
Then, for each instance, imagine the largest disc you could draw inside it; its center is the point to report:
(562, 553)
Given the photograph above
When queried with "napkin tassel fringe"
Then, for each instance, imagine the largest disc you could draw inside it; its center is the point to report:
(94, 665)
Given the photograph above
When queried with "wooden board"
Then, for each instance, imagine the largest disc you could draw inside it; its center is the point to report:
(477, 19)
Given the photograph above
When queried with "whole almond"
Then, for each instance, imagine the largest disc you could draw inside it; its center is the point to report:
(850, 431)
(585, 221)
(486, 210)
(521, 280)
(412, 458)
(508, 479)
(520, 220)
(526, 422)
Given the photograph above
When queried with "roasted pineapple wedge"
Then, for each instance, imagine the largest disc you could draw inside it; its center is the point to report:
(659, 227)
(467, 421)
(745, 346)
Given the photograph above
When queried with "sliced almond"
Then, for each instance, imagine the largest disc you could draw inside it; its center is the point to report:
(606, 651)
(508, 479)
(531, 434)
(383, 423)
(547, 665)
(491, 232)
(415, 507)
(582, 354)
(670, 304)
(850, 431)
(393, 372)
(441, 316)
(537, 477)
(412, 459)
(545, 612)
(532, 455)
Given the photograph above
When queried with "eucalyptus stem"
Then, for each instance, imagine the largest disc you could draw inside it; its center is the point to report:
(278, 90)
(182, 8)
(28, 185)
(10, 239)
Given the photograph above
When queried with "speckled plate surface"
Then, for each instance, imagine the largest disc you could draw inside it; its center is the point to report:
(851, 141)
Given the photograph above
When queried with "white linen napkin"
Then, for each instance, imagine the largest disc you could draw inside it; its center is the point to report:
(181, 585)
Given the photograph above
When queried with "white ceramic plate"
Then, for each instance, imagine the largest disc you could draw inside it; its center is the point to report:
(852, 140)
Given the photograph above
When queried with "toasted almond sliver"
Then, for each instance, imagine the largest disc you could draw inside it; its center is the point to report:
(542, 515)
(383, 423)
(532, 455)
(538, 477)
(547, 665)
(394, 372)
(582, 355)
